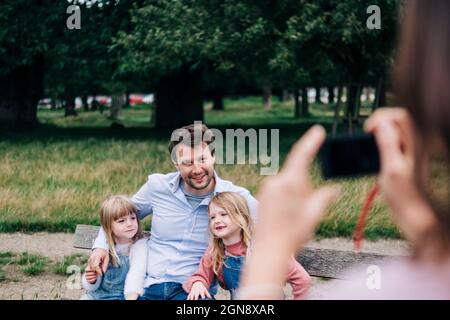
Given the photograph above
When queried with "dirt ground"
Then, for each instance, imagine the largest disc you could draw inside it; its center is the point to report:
(55, 246)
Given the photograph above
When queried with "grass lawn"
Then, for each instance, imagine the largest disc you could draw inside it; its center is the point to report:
(56, 176)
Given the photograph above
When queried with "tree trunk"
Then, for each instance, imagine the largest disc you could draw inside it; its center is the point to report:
(351, 100)
(318, 95)
(296, 103)
(304, 111)
(218, 100)
(330, 94)
(178, 99)
(94, 103)
(70, 105)
(127, 100)
(267, 97)
(53, 103)
(84, 100)
(351, 105)
(285, 95)
(337, 111)
(380, 94)
(358, 102)
(20, 91)
(117, 102)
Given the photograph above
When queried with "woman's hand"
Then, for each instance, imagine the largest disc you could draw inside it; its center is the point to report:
(394, 133)
(198, 290)
(288, 213)
(290, 208)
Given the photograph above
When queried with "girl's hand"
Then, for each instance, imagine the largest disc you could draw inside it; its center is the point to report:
(91, 275)
(131, 296)
(394, 133)
(198, 290)
(290, 208)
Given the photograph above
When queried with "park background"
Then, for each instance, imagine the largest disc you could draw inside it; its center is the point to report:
(86, 110)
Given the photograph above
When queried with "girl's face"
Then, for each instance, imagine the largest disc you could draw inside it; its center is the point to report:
(222, 227)
(125, 228)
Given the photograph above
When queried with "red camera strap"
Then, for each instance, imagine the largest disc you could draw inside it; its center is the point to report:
(359, 230)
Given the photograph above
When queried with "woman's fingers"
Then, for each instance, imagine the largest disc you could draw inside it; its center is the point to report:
(389, 143)
(401, 119)
(398, 115)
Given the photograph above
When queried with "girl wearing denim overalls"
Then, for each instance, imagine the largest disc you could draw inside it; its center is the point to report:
(124, 277)
(231, 229)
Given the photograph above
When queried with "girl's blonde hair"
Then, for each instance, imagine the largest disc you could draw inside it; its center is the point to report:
(236, 206)
(112, 209)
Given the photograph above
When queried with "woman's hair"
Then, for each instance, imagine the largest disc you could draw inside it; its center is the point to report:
(112, 209)
(422, 79)
(236, 206)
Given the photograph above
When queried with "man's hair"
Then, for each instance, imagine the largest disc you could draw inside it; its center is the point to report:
(191, 135)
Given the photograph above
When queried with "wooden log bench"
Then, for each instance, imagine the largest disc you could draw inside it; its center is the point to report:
(322, 263)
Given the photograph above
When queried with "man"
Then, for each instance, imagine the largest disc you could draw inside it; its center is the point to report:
(178, 202)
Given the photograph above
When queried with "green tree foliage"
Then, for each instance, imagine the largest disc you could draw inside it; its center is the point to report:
(174, 47)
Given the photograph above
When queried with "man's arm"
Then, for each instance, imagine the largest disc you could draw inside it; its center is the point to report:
(100, 241)
(99, 258)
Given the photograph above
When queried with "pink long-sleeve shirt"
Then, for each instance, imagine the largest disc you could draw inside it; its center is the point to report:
(296, 276)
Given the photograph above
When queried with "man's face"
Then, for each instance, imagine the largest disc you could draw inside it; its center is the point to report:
(196, 165)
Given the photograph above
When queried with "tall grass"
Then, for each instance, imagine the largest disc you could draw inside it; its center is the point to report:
(56, 176)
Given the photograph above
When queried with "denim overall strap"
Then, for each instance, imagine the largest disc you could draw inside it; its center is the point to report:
(113, 281)
(231, 270)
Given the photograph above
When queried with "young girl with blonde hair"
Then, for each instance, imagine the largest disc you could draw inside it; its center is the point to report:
(231, 227)
(124, 277)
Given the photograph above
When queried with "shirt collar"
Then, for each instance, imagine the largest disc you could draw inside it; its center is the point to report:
(174, 183)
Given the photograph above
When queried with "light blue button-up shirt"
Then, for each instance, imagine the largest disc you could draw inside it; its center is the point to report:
(179, 233)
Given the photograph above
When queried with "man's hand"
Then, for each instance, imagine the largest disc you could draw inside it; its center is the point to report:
(98, 261)
(131, 296)
(198, 290)
(91, 275)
